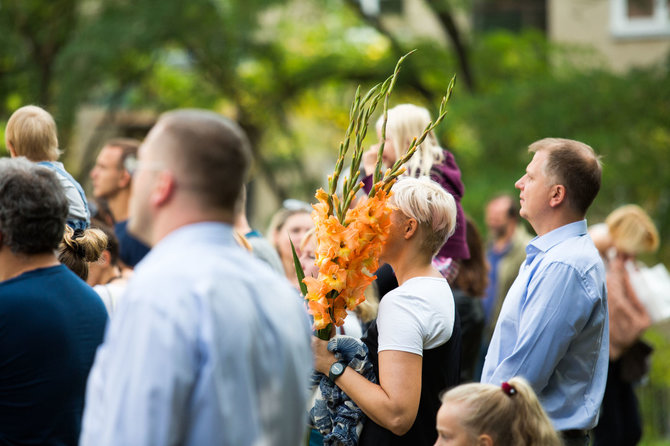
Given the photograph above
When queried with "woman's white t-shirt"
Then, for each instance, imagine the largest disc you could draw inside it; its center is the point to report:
(418, 315)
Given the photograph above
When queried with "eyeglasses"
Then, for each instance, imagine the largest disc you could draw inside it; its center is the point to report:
(132, 165)
(291, 204)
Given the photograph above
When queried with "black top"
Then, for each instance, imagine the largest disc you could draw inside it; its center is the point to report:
(440, 370)
(131, 250)
(51, 324)
(471, 312)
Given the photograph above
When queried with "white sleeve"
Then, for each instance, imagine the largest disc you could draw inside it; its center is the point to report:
(142, 374)
(400, 327)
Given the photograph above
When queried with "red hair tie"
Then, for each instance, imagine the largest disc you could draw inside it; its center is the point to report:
(508, 389)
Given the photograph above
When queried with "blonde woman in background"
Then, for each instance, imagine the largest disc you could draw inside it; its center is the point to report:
(487, 415)
(406, 122)
(627, 232)
(289, 224)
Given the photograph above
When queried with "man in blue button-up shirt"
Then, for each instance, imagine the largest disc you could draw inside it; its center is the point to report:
(553, 326)
(208, 346)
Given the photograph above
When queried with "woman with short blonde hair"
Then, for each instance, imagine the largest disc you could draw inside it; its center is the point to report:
(414, 345)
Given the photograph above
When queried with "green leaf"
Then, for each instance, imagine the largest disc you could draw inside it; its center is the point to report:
(298, 269)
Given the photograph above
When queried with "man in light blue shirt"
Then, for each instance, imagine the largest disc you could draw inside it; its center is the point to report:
(553, 326)
(208, 345)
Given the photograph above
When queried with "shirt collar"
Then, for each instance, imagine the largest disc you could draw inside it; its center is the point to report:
(196, 232)
(550, 239)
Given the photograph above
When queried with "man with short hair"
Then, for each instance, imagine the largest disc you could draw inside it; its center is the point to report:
(209, 345)
(51, 322)
(553, 326)
(506, 251)
(112, 182)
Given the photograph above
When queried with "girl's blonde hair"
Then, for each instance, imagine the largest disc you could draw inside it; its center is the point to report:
(31, 131)
(79, 248)
(631, 230)
(511, 415)
(406, 122)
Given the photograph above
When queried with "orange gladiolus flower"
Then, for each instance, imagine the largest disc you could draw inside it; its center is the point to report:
(347, 255)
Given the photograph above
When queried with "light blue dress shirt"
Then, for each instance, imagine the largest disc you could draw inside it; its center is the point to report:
(553, 327)
(208, 347)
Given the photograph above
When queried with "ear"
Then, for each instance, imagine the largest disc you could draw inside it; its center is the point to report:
(124, 180)
(410, 227)
(163, 190)
(484, 440)
(10, 147)
(105, 258)
(557, 195)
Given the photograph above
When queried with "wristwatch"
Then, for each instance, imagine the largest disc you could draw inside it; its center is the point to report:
(336, 370)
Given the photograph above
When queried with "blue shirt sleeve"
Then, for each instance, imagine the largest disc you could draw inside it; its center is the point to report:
(557, 306)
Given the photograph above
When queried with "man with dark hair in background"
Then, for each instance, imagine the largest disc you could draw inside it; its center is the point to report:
(112, 178)
(506, 251)
(51, 322)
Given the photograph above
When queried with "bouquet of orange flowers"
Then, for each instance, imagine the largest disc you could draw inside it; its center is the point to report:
(350, 239)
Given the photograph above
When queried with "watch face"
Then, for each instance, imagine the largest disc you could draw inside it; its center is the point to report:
(337, 368)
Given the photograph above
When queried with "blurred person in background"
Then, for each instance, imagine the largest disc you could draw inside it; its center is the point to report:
(112, 179)
(406, 122)
(259, 245)
(627, 232)
(105, 275)
(505, 252)
(290, 224)
(468, 288)
(51, 322)
(80, 248)
(488, 415)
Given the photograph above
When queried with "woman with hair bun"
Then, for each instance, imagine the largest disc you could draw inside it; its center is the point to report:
(487, 415)
(80, 247)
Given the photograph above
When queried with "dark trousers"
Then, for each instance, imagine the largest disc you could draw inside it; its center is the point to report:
(619, 423)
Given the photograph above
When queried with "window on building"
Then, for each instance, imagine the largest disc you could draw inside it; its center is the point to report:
(640, 18)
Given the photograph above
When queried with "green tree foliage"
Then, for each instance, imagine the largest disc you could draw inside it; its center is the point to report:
(286, 72)
(623, 117)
